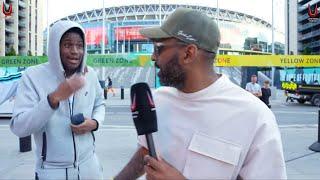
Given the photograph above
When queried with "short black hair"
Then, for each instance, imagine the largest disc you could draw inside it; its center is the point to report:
(208, 56)
(74, 30)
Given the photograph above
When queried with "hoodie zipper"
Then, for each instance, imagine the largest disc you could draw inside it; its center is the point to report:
(73, 138)
(44, 149)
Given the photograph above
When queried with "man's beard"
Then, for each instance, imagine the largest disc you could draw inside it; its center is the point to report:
(172, 74)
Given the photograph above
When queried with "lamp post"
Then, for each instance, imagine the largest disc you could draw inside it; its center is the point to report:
(218, 12)
(103, 29)
(160, 12)
(273, 68)
(48, 26)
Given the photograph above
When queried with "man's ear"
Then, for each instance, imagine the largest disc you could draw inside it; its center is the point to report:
(190, 54)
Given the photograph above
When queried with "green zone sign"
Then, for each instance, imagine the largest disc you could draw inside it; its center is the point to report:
(22, 61)
(109, 60)
(120, 60)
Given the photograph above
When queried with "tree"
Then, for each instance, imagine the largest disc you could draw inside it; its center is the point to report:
(307, 51)
(12, 52)
(29, 53)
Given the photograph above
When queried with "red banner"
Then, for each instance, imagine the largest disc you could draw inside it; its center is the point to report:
(94, 36)
(128, 33)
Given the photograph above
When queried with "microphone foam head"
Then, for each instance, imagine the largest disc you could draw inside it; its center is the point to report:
(77, 119)
(143, 109)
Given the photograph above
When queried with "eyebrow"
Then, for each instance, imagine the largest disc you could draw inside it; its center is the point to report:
(68, 40)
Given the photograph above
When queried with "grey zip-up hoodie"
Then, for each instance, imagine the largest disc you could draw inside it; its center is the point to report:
(56, 145)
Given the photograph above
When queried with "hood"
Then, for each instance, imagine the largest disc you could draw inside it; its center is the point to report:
(56, 32)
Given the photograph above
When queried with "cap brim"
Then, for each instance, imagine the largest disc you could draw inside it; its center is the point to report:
(154, 33)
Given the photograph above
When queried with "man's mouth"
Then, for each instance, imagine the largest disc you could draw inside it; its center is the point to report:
(74, 61)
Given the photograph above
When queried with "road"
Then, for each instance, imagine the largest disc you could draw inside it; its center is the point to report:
(286, 113)
(295, 114)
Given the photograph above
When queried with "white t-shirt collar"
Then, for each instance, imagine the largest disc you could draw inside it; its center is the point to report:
(213, 88)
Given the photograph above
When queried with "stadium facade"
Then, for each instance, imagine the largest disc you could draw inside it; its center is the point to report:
(240, 32)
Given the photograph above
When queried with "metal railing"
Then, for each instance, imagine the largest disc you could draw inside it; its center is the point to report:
(22, 44)
(307, 26)
(22, 34)
(302, 18)
(308, 35)
(9, 41)
(9, 30)
(22, 4)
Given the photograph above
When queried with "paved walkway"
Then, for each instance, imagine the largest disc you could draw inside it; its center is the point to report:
(115, 146)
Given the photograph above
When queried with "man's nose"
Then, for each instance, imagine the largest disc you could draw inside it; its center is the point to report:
(74, 49)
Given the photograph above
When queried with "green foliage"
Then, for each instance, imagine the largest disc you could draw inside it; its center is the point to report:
(12, 52)
(307, 51)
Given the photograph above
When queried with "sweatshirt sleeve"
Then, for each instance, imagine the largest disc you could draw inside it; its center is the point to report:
(99, 104)
(30, 113)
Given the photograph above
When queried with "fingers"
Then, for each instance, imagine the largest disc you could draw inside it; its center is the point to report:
(78, 129)
(86, 70)
(160, 169)
(76, 81)
(149, 167)
(69, 86)
(87, 126)
(152, 162)
(150, 173)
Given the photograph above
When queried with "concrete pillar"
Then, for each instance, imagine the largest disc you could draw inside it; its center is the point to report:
(2, 34)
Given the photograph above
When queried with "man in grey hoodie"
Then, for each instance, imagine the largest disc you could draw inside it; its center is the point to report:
(49, 95)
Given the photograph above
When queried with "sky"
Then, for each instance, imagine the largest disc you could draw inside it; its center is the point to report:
(259, 8)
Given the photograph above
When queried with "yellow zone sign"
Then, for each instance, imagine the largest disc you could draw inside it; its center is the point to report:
(268, 60)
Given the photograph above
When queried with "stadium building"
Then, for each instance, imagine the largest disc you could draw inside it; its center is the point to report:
(241, 34)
